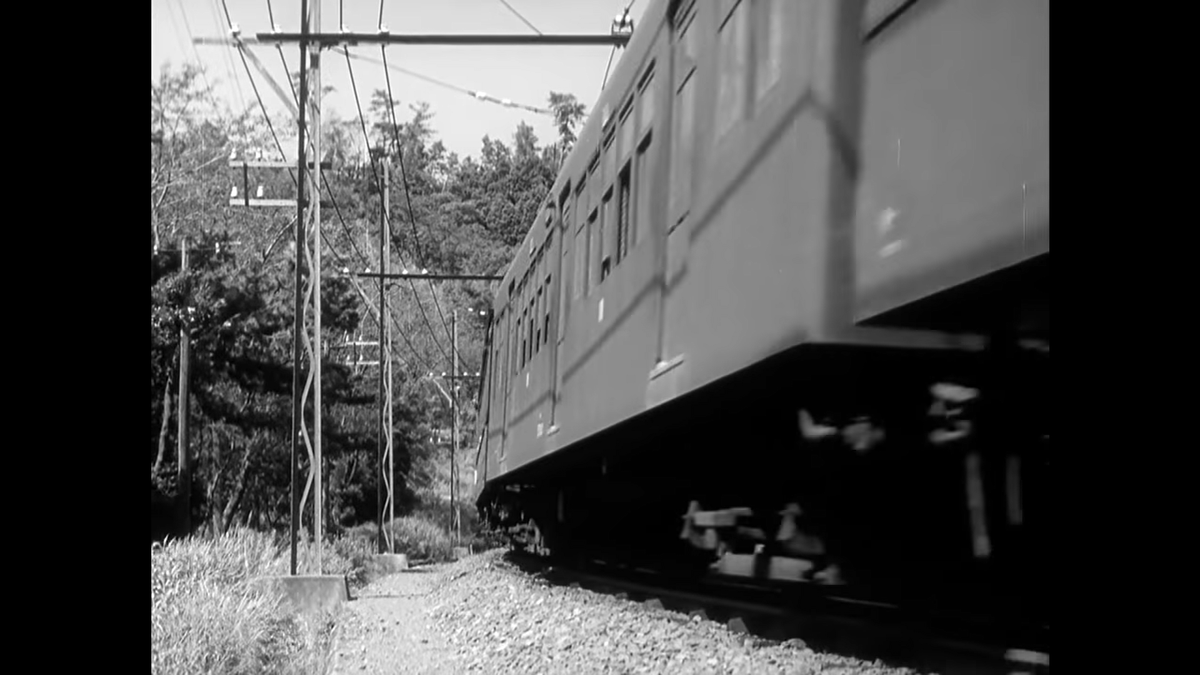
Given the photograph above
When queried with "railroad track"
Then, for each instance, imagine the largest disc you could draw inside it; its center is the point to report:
(825, 620)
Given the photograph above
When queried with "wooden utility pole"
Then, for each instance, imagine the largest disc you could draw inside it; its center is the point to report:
(184, 475)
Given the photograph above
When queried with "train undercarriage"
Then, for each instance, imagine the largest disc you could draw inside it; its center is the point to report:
(917, 479)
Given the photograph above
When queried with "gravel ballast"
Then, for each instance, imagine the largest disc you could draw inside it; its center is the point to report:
(484, 615)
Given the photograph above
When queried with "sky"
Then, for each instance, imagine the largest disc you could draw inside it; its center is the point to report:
(522, 74)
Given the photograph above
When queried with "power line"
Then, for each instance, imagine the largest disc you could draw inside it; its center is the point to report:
(229, 65)
(518, 15)
(477, 95)
(611, 53)
(400, 154)
(338, 211)
(412, 219)
(283, 61)
(188, 26)
(379, 185)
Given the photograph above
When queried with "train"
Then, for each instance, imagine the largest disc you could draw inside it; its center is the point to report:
(784, 314)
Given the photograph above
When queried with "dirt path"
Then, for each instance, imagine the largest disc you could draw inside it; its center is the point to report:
(387, 629)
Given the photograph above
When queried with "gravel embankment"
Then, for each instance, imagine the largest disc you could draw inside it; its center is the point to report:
(493, 618)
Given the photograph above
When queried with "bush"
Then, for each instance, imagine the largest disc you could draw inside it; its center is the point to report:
(207, 617)
(417, 536)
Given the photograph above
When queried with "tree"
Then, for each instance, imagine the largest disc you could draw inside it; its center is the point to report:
(568, 113)
(235, 299)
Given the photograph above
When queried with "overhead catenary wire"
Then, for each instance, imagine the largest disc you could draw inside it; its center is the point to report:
(387, 223)
(477, 95)
(279, 146)
(282, 60)
(412, 219)
(337, 209)
(192, 41)
(517, 14)
(230, 67)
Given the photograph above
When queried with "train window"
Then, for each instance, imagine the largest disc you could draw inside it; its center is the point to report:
(540, 307)
(607, 238)
(682, 151)
(688, 45)
(513, 341)
(549, 306)
(523, 339)
(732, 43)
(595, 183)
(610, 161)
(641, 195)
(581, 202)
(646, 101)
(627, 129)
(769, 66)
(581, 243)
(623, 215)
(596, 232)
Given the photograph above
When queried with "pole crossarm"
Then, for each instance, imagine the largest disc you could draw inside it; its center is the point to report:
(435, 277)
(330, 40)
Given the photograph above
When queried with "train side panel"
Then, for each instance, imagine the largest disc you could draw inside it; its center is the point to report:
(955, 149)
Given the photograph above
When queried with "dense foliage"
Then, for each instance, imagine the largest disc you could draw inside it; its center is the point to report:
(235, 300)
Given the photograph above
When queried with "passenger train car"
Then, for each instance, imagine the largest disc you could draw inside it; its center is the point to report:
(785, 312)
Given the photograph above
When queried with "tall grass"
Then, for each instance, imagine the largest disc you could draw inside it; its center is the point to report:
(208, 617)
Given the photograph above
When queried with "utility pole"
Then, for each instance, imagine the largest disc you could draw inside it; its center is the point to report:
(454, 521)
(184, 481)
(298, 330)
(384, 487)
(315, 276)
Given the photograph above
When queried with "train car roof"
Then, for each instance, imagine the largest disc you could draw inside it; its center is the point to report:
(603, 112)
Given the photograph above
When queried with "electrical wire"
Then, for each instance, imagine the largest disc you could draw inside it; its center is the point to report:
(230, 67)
(412, 219)
(337, 209)
(477, 95)
(192, 40)
(518, 15)
(283, 61)
(379, 184)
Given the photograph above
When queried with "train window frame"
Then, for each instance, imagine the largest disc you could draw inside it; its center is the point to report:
(610, 160)
(628, 123)
(580, 201)
(768, 35)
(539, 307)
(596, 254)
(523, 340)
(549, 305)
(624, 212)
(685, 54)
(532, 318)
(733, 60)
(596, 181)
(579, 272)
(647, 104)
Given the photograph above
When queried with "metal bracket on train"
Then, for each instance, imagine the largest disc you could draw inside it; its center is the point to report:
(717, 530)
(714, 530)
